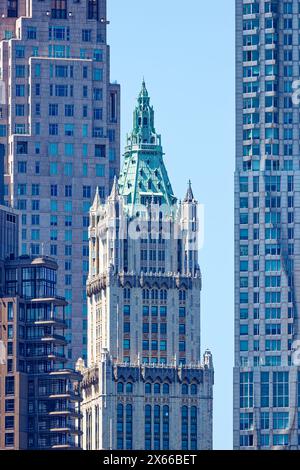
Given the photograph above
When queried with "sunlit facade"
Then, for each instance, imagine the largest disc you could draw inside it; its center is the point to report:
(146, 385)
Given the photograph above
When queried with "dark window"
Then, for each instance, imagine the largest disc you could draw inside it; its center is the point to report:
(182, 328)
(12, 8)
(86, 192)
(100, 151)
(54, 190)
(22, 148)
(9, 385)
(9, 422)
(31, 33)
(59, 9)
(68, 190)
(86, 35)
(10, 348)
(93, 9)
(9, 439)
(9, 406)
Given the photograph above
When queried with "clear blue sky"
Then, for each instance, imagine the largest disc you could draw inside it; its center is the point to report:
(185, 50)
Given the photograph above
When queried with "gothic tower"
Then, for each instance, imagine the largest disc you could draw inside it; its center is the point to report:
(144, 368)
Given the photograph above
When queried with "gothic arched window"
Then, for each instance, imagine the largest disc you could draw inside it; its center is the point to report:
(182, 295)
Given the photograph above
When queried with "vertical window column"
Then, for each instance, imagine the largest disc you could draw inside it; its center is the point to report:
(184, 428)
(148, 427)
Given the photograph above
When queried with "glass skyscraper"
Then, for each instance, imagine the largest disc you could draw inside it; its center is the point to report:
(267, 225)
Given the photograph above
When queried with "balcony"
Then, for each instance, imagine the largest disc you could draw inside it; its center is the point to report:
(66, 446)
(67, 394)
(57, 356)
(59, 442)
(68, 428)
(51, 321)
(70, 373)
(54, 299)
(58, 339)
(68, 410)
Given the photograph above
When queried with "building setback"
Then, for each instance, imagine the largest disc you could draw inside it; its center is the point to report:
(267, 217)
(59, 134)
(145, 386)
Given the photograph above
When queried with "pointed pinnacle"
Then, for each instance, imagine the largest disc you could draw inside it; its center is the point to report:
(97, 201)
(189, 194)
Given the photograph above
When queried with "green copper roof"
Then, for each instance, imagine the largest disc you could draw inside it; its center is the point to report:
(144, 177)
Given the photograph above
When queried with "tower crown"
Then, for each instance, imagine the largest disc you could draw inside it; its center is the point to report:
(144, 178)
(143, 131)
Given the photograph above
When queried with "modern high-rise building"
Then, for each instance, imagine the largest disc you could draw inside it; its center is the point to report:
(59, 134)
(267, 226)
(40, 398)
(145, 385)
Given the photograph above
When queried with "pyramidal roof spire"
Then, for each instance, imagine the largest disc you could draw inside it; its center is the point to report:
(144, 179)
(189, 197)
(144, 92)
(143, 131)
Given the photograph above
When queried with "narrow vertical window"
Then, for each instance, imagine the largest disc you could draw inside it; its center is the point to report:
(193, 429)
(129, 427)
(12, 8)
(120, 426)
(148, 428)
(93, 10)
(184, 428)
(166, 428)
